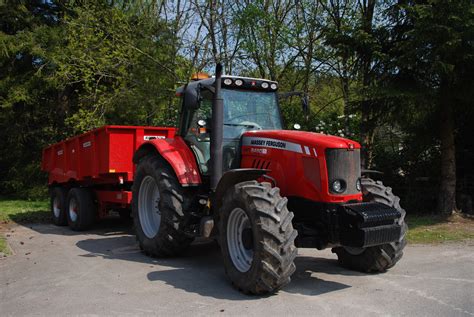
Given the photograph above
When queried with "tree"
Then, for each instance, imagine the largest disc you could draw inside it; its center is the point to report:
(437, 54)
(65, 69)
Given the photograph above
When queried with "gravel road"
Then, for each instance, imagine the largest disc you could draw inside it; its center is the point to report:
(55, 271)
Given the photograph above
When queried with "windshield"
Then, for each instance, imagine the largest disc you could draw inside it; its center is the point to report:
(249, 110)
(243, 111)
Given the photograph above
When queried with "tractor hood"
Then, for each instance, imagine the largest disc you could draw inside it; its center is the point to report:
(311, 160)
(297, 141)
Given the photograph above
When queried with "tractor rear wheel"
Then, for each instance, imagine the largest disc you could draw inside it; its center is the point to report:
(257, 238)
(58, 206)
(381, 257)
(158, 206)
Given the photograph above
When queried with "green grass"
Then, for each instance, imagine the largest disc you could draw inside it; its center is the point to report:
(437, 229)
(4, 249)
(23, 211)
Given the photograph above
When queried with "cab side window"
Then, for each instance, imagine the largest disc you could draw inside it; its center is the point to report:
(200, 142)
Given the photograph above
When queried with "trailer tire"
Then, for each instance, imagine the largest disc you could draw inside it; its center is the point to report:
(381, 257)
(81, 209)
(257, 238)
(58, 205)
(162, 234)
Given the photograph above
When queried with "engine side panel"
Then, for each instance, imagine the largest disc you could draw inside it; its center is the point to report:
(297, 162)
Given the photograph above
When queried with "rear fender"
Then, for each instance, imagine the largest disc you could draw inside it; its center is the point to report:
(177, 153)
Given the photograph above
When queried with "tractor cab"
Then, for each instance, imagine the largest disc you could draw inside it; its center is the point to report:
(248, 104)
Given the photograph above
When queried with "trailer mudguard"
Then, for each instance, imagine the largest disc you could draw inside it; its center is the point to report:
(177, 153)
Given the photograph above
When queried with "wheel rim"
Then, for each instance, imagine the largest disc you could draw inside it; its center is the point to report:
(56, 207)
(148, 209)
(240, 240)
(354, 251)
(73, 208)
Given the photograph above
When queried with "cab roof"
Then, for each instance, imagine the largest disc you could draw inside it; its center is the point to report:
(247, 83)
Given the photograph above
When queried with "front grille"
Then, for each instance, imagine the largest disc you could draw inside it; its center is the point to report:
(343, 164)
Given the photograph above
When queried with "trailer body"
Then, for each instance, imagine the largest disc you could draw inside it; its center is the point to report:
(102, 160)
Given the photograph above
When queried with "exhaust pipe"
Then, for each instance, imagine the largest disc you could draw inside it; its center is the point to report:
(217, 126)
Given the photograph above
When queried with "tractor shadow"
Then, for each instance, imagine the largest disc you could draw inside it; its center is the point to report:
(200, 269)
(311, 276)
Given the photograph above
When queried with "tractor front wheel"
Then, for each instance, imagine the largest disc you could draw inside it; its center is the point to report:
(257, 238)
(378, 258)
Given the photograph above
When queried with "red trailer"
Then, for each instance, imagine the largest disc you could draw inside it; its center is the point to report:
(100, 160)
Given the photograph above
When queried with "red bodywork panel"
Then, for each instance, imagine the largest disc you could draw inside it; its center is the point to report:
(296, 160)
(104, 156)
(100, 156)
(178, 154)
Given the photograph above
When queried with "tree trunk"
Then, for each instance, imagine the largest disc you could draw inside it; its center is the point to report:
(447, 193)
(347, 108)
(367, 127)
(367, 140)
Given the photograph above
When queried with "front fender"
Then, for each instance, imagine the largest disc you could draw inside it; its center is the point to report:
(177, 153)
(232, 177)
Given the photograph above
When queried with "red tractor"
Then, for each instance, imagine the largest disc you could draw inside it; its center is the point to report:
(232, 173)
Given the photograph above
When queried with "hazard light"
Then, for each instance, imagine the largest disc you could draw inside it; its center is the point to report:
(199, 76)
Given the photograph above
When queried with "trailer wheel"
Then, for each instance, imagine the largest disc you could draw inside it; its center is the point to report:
(158, 206)
(58, 205)
(81, 209)
(257, 238)
(382, 257)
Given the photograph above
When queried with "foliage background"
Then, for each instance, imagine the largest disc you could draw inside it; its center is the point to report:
(395, 75)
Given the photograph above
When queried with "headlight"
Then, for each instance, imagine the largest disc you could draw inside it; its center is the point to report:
(239, 82)
(227, 81)
(358, 185)
(264, 85)
(273, 86)
(338, 186)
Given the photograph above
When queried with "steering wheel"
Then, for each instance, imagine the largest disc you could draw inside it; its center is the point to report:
(250, 123)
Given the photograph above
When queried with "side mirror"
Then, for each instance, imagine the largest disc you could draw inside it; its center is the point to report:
(192, 98)
(203, 126)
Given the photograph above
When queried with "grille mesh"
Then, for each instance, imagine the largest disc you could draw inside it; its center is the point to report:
(343, 164)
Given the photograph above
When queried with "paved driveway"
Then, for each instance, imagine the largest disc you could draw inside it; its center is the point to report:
(55, 272)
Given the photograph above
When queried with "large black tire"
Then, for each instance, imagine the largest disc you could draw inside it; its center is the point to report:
(171, 237)
(271, 241)
(81, 209)
(58, 207)
(382, 257)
